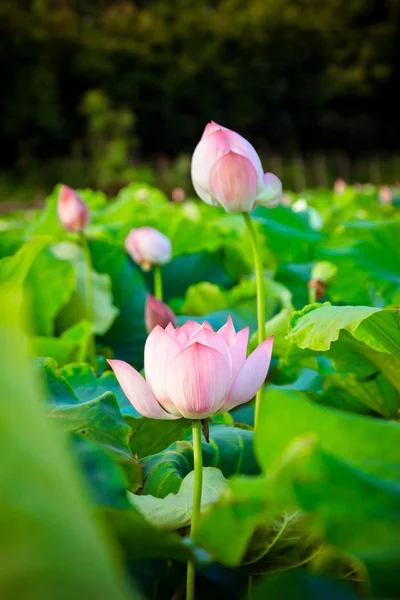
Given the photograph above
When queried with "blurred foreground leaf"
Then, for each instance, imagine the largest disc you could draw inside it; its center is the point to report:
(50, 545)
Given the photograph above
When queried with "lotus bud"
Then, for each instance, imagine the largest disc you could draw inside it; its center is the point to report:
(339, 187)
(178, 195)
(324, 271)
(319, 287)
(323, 274)
(227, 171)
(385, 195)
(73, 212)
(156, 313)
(148, 246)
(194, 372)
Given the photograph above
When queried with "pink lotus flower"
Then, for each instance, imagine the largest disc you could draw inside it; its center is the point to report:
(194, 372)
(156, 313)
(178, 195)
(148, 246)
(227, 170)
(72, 211)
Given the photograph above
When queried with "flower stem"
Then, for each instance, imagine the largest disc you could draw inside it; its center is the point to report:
(90, 347)
(249, 587)
(198, 482)
(158, 288)
(260, 298)
(312, 295)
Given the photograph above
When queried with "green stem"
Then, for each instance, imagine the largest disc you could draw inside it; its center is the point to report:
(90, 354)
(260, 298)
(312, 294)
(249, 586)
(198, 483)
(158, 289)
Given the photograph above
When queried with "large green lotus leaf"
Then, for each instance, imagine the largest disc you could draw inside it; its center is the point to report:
(127, 334)
(346, 435)
(71, 345)
(98, 420)
(140, 540)
(318, 328)
(150, 436)
(51, 546)
(369, 249)
(174, 511)
(228, 529)
(289, 234)
(104, 311)
(106, 479)
(282, 545)
(357, 511)
(190, 269)
(364, 352)
(358, 379)
(230, 449)
(300, 584)
(49, 285)
(87, 386)
(14, 269)
(371, 396)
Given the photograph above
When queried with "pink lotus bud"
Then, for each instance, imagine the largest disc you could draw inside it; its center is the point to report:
(194, 372)
(156, 313)
(339, 187)
(72, 210)
(227, 170)
(385, 194)
(148, 246)
(178, 195)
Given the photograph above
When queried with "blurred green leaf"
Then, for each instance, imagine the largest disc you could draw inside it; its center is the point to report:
(369, 249)
(302, 585)
(71, 345)
(104, 311)
(284, 544)
(49, 285)
(14, 269)
(51, 546)
(289, 234)
(345, 435)
(127, 333)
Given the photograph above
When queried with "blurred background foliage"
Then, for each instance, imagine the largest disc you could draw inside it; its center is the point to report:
(95, 89)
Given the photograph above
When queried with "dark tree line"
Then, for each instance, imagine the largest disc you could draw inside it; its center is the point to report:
(290, 74)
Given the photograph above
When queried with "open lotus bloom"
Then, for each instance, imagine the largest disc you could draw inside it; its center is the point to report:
(148, 246)
(194, 372)
(72, 211)
(227, 170)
